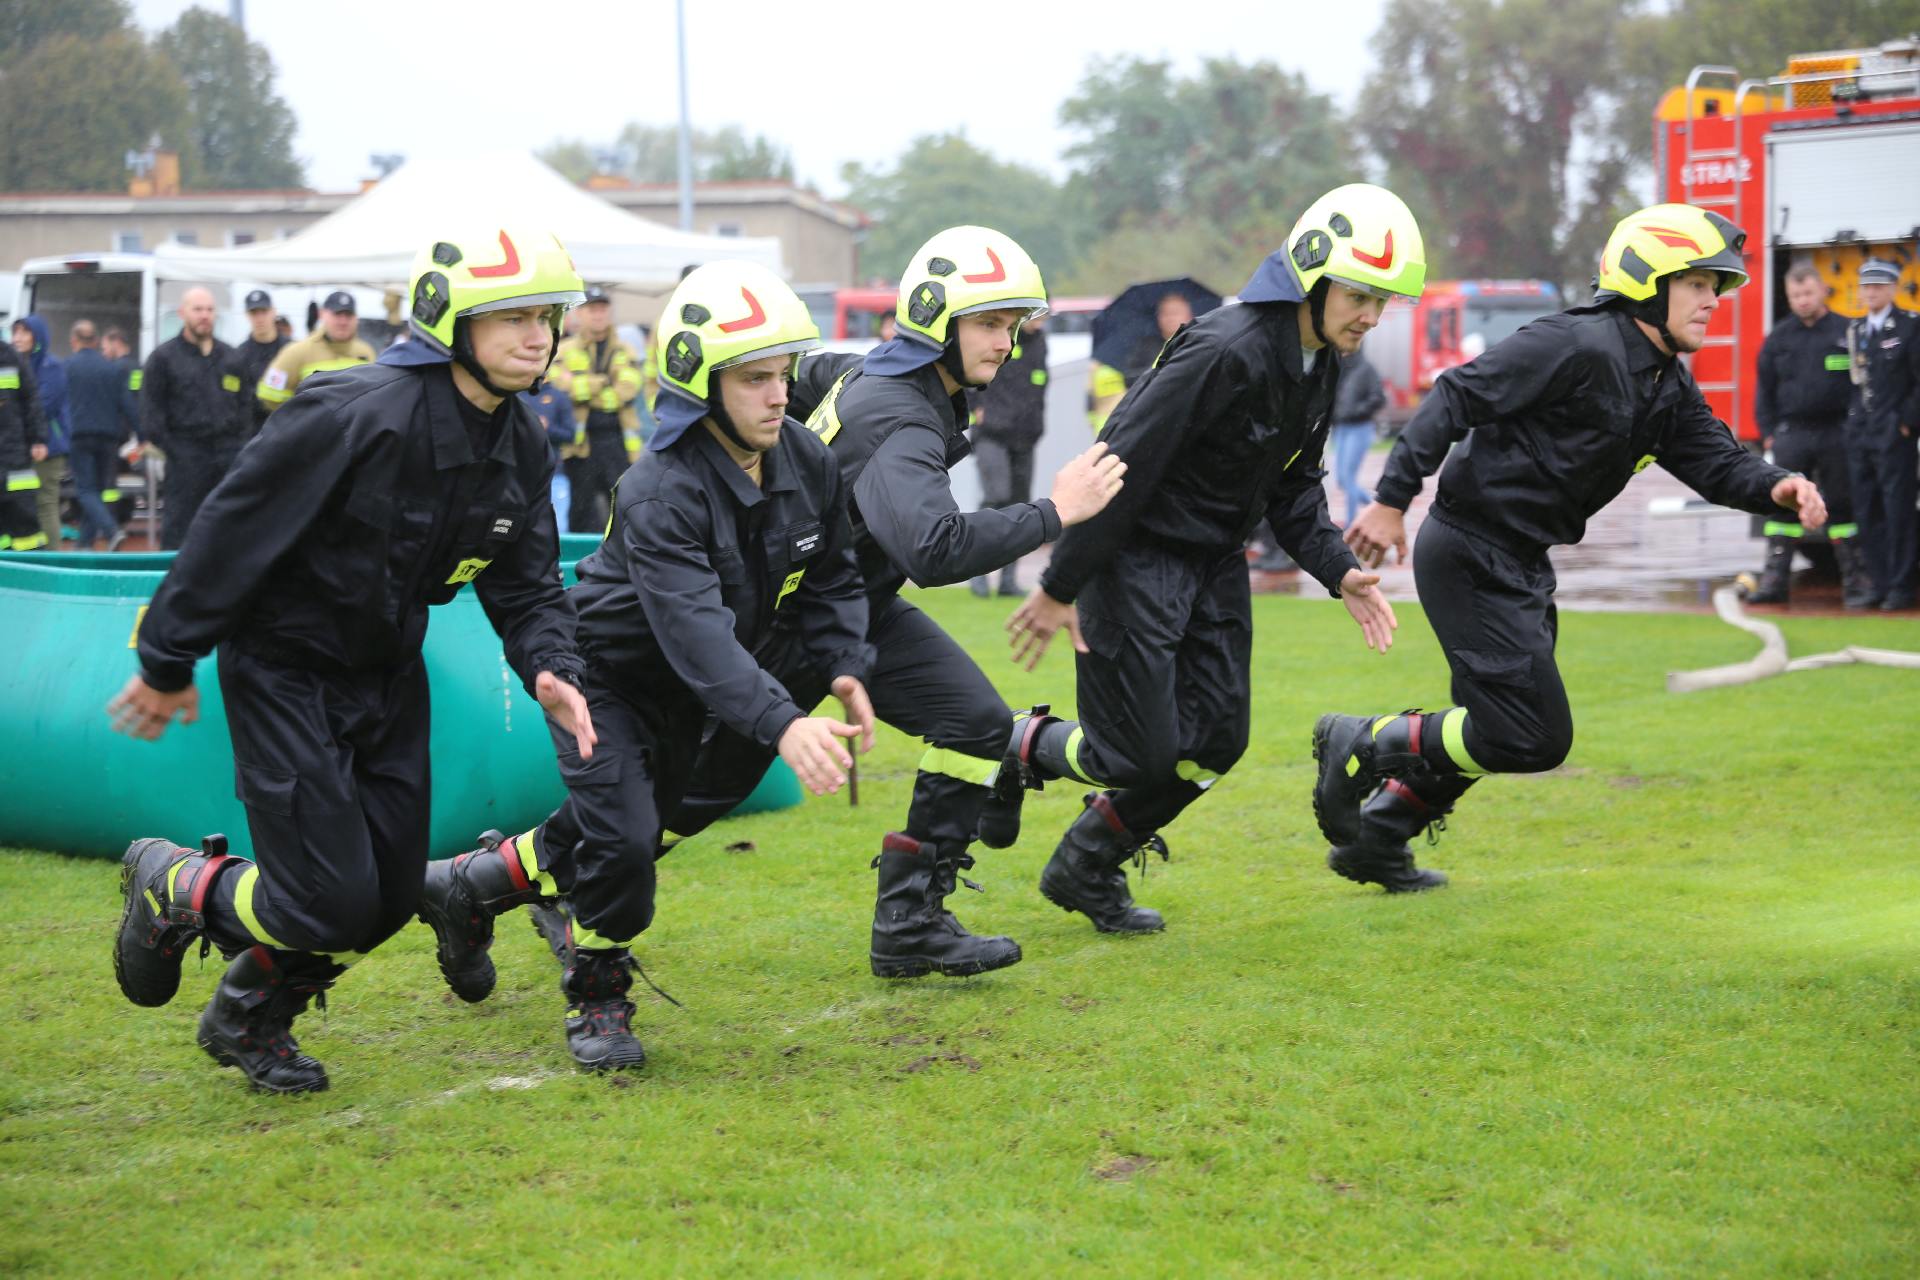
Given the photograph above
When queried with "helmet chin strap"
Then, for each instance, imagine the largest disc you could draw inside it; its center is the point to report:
(1317, 309)
(1655, 311)
(951, 362)
(724, 420)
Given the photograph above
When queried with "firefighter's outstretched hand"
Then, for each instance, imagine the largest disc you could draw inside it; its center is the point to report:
(1375, 531)
(859, 708)
(141, 711)
(1800, 493)
(1360, 592)
(568, 706)
(1035, 623)
(1083, 488)
(811, 746)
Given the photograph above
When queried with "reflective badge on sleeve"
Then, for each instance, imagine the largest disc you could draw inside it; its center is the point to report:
(229, 382)
(9, 379)
(466, 571)
(787, 588)
(1837, 362)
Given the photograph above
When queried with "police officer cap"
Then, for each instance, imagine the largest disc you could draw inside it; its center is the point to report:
(259, 301)
(340, 302)
(1879, 271)
(596, 294)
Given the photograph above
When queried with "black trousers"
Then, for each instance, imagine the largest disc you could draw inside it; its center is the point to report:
(1164, 695)
(1884, 489)
(333, 772)
(924, 684)
(600, 844)
(591, 479)
(1820, 454)
(195, 464)
(1006, 472)
(1494, 615)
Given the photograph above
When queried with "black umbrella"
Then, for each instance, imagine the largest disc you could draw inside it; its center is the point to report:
(1126, 336)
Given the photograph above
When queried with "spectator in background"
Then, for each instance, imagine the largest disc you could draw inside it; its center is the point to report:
(888, 326)
(335, 344)
(23, 442)
(195, 409)
(1010, 416)
(1800, 396)
(50, 373)
(1884, 346)
(556, 416)
(602, 376)
(1357, 402)
(102, 418)
(263, 343)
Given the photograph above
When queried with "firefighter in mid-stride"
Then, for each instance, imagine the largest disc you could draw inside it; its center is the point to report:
(377, 492)
(733, 521)
(1545, 428)
(1226, 429)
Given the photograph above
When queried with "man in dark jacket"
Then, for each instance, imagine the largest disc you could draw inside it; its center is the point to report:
(1546, 427)
(734, 521)
(1010, 416)
(30, 339)
(264, 342)
(23, 442)
(102, 412)
(1225, 430)
(1356, 403)
(1883, 433)
(194, 409)
(377, 492)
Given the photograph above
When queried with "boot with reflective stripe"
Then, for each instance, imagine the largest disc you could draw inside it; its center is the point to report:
(1776, 579)
(599, 1021)
(1354, 758)
(913, 932)
(159, 922)
(249, 1023)
(461, 897)
(1857, 590)
(1395, 814)
(1087, 870)
(1019, 773)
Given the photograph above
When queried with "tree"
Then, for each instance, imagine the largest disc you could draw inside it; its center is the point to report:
(242, 129)
(651, 153)
(25, 23)
(77, 105)
(943, 180)
(1478, 107)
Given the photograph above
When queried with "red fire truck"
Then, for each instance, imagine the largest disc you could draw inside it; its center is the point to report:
(1820, 163)
(1454, 321)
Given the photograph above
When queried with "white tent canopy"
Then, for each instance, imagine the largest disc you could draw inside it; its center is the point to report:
(373, 239)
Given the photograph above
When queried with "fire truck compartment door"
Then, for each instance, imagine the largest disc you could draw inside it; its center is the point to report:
(1863, 180)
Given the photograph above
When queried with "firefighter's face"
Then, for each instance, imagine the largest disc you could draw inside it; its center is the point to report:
(754, 395)
(595, 319)
(513, 346)
(1808, 298)
(1876, 297)
(1349, 316)
(340, 325)
(986, 340)
(1691, 301)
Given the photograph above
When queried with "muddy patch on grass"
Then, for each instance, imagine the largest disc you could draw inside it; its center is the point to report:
(935, 1059)
(1125, 1168)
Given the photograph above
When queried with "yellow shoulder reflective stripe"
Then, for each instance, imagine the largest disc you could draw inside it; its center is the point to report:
(825, 419)
(272, 395)
(322, 366)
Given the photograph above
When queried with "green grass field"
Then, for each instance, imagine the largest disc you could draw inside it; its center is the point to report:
(1663, 1024)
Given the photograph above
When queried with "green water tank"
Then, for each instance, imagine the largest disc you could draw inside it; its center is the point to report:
(68, 783)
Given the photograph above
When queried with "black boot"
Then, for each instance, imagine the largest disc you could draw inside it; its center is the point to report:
(1394, 815)
(1019, 773)
(1857, 590)
(1354, 756)
(913, 932)
(1087, 871)
(157, 925)
(981, 586)
(599, 1015)
(1776, 579)
(249, 1023)
(461, 897)
(1010, 582)
(553, 921)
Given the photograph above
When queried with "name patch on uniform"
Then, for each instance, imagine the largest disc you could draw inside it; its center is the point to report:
(787, 587)
(466, 571)
(806, 543)
(229, 382)
(502, 526)
(276, 378)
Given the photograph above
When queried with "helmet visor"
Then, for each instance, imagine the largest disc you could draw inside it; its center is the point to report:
(1032, 306)
(797, 348)
(1364, 286)
(561, 298)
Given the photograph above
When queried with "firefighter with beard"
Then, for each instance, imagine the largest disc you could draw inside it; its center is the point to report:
(1545, 428)
(1225, 430)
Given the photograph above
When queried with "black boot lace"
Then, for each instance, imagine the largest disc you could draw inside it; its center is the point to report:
(1155, 843)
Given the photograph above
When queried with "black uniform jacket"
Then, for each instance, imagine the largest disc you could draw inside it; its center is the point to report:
(185, 393)
(360, 503)
(895, 437)
(1803, 379)
(1554, 421)
(1227, 428)
(22, 423)
(1890, 364)
(255, 358)
(1013, 407)
(699, 564)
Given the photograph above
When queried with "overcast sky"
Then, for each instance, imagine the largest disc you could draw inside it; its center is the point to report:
(833, 82)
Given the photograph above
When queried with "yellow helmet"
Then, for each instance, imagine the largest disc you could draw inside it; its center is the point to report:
(490, 270)
(1667, 240)
(1361, 236)
(727, 313)
(960, 271)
